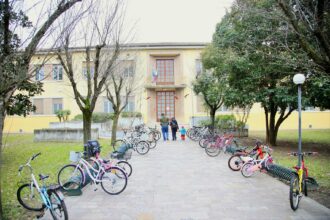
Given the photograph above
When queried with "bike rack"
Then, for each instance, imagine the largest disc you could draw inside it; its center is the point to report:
(285, 174)
(280, 172)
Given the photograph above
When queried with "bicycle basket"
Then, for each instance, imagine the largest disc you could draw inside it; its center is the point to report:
(75, 156)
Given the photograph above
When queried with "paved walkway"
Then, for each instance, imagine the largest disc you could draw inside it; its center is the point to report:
(177, 180)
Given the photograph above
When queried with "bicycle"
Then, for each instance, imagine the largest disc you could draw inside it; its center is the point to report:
(140, 146)
(298, 181)
(72, 176)
(237, 160)
(214, 148)
(250, 167)
(48, 198)
(124, 165)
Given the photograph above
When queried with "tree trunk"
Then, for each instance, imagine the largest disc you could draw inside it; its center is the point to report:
(272, 133)
(271, 130)
(2, 120)
(212, 115)
(114, 127)
(87, 125)
(267, 127)
(273, 137)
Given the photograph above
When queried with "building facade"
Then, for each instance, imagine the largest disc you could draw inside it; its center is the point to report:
(163, 75)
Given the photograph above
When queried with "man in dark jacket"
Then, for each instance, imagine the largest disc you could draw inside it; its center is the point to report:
(174, 128)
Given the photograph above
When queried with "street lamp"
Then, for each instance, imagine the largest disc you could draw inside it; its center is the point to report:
(299, 79)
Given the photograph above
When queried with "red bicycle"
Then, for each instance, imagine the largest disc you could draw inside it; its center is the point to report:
(298, 181)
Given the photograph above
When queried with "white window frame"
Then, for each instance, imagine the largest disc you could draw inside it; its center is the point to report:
(40, 73)
(57, 106)
(57, 75)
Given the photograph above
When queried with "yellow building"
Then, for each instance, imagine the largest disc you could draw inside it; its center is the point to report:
(163, 74)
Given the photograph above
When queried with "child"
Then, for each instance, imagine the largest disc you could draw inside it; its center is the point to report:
(183, 133)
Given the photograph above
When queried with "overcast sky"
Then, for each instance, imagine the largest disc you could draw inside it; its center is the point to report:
(175, 20)
(158, 20)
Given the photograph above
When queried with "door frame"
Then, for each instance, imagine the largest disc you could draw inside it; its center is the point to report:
(157, 119)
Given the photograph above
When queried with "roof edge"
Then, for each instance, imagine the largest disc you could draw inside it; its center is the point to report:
(160, 45)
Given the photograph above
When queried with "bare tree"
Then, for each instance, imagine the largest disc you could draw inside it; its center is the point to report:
(100, 31)
(16, 53)
(120, 86)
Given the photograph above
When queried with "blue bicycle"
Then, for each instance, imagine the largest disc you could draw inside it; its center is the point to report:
(35, 198)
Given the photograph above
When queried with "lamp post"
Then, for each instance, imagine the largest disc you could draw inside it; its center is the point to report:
(299, 79)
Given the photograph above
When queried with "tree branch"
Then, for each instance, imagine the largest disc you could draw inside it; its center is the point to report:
(31, 48)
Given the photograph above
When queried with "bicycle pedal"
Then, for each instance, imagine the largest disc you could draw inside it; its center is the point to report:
(40, 215)
(95, 189)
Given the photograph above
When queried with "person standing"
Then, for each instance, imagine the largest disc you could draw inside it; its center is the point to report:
(174, 128)
(183, 133)
(164, 125)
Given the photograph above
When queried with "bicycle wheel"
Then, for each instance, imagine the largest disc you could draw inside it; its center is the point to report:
(305, 183)
(305, 187)
(235, 163)
(202, 142)
(246, 169)
(157, 135)
(28, 196)
(294, 192)
(58, 208)
(152, 144)
(126, 167)
(114, 181)
(142, 147)
(70, 177)
(212, 149)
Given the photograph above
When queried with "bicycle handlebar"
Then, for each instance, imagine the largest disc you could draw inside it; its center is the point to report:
(303, 153)
(28, 162)
(36, 155)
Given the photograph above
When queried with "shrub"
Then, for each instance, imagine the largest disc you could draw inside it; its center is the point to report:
(225, 122)
(97, 117)
(240, 125)
(204, 122)
(131, 114)
(78, 118)
(63, 115)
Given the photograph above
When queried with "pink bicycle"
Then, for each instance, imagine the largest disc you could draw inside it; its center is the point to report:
(214, 148)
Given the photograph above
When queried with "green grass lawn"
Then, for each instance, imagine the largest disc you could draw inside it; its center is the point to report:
(309, 136)
(18, 149)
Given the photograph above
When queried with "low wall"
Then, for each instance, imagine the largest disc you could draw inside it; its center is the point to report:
(62, 134)
(104, 129)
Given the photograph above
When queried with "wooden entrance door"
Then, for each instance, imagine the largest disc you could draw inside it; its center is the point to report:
(165, 104)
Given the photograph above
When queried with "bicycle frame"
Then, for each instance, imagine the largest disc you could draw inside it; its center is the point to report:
(87, 167)
(223, 141)
(300, 171)
(105, 165)
(42, 191)
(258, 163)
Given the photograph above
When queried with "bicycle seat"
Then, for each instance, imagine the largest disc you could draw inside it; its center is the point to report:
(42, 177)
(106, 161)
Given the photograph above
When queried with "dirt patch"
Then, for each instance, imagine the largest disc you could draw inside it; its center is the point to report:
(322, 195)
